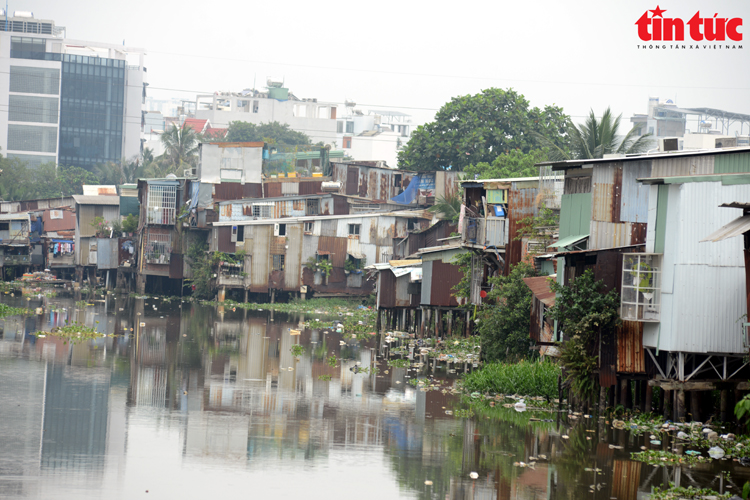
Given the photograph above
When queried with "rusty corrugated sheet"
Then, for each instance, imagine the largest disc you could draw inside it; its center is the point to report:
(225, 243)
(67, 223)
(540, 287)
(521, 204)
(272, 189)
(86, 215)
(444, 278)
(340, 205)
(259, 260)
(352, 181)
(310, 187)
(363, 182)
(630, 354)
(225, 210)
(638, 233)
(387, 289)
(603, 189)
(609, 234)
(336, 247)
(293, 262)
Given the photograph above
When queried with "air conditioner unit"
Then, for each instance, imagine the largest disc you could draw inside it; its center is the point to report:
(191, 172)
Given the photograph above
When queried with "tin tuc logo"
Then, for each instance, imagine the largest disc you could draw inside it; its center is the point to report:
(657, 28)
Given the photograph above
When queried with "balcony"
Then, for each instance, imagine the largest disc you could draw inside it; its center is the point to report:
(17, 260)
(485, 232)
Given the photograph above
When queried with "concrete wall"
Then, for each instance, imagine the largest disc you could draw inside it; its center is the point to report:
(235, 163)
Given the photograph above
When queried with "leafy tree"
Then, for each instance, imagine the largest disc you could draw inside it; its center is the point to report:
(180, 149)
(595, 138)
(470, 130)
(583, 313)
(447, 207)
(202, 268)
(504, 322)
(515, 163)
(540, 227)
(272, 133)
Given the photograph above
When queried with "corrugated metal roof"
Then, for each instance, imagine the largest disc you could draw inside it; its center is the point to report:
(737, 227)
(692, 165)
(539, 286)
(569, 240)
(96, 200)
(93, 190)
(562, 165)
(404, 263)
(413, 214)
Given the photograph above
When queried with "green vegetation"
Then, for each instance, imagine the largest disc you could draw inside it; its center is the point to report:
(525, 378)
(515, 163)
(473, 129)
(504, 322)
(583, 313)
(130, 224)
(271, 133)
(6, 310)
(21, 182)
(687, 493)
(73, 333)
(447, 207)
(325, 378)
(399, 363)
(202, 268)
(462, 289)
(297, 350)
(180, 151)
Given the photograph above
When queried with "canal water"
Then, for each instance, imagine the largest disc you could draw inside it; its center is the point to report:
(182, 400)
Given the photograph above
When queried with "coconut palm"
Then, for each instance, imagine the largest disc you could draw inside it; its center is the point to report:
(447, 207)
(180, 147)
(598, 137)
(595, 138)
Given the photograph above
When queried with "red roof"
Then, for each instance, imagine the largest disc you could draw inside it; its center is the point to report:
(196, 124)
(216, 133)
(540, 288)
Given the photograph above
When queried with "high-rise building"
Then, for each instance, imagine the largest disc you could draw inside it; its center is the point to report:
(67, 101)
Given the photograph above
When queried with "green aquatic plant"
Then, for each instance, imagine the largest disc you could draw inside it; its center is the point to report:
(73, 333)
(6, 310)
(681, 492)
(526, 378)
(325, 378)
(297, 350)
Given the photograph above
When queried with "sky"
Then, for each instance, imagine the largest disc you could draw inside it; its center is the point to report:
(415, 56)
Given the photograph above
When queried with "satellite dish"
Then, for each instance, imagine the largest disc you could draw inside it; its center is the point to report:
(171, 176)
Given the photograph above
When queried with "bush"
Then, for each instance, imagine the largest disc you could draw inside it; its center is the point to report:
(526, 378)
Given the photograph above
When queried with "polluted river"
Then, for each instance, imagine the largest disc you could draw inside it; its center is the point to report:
(174, 399)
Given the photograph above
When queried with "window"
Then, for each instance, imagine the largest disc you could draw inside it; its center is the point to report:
(256, 106)
(158, 248)
(354, 229)
(4, 226)
(309, 227)
(238, 234)
(312, 207)
(162, 202)
(347, 143)
(262, 211)
(349, 127)
(280, 230)
(24, 108)
(32, 138)
(278, 262)
(641, 287)
(34, 80)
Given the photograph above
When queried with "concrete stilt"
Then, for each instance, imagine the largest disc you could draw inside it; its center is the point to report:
(649, 398)
(680, 412)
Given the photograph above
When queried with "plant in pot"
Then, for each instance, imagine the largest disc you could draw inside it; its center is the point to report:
(350, 266)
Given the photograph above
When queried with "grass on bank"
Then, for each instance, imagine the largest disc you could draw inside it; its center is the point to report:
(525, 378)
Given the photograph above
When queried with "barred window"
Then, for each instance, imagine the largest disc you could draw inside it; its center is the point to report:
(162, 202)
(262, 211)
(32, 138)
(278, 262)
(25, 108)
(34, 80)
(158, 248)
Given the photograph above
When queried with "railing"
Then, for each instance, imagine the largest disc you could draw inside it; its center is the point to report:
(491, 231)
(17, 260)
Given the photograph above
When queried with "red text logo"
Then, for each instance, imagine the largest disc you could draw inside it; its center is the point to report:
(657, 28)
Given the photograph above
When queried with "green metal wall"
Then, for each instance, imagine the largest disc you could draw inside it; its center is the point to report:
(575, 214)
(728, 164)
(661, 219)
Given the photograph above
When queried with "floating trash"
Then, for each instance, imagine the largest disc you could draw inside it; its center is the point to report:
(428, 483)
(692, 453)
(473, 475)
(655, 442)
(716, 452)
(682, 435)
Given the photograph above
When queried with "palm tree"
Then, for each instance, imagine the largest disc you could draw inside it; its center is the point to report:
(447, 207)
(180, 147)
(596, 138)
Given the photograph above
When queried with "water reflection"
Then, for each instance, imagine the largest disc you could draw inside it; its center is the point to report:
(187, 401)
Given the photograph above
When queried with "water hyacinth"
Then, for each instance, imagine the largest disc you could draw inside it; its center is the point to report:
(527, 378)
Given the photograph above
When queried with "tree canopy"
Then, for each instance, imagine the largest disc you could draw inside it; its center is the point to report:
(515, 163)
(18, 181)
(475, 129)
(272, 133)
(180, 148)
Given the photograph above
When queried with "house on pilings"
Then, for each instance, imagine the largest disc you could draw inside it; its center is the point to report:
(638, 223)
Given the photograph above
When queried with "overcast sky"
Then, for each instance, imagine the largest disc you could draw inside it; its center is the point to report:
(414, 56)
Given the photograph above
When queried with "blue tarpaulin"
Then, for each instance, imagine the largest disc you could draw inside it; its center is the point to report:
(409, 194)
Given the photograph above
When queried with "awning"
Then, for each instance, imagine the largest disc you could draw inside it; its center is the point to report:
(356, 255)
(737, 227)
(405, 263)
(569, 241)
(541, 289)
(323, 252)
(402, 271)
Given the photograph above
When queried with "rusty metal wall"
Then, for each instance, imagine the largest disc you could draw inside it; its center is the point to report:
(259, 262)
(692, 165)
(336, 248)
(106, 253)
(309, 247)
(236, 191)
(327, 206)
(387, 289)
(630, 354)
(328, 227)
(176, 266)
(352, 181)
(293, 262)
(638, 233)
(444, 278)
(310, 187)
(603, 189)
(86, 215)
(634, 203)
(340, 205)
(626, 478)
(272, 189)
(67, 223)
(521, 204)
(609, 234)
(225, 243)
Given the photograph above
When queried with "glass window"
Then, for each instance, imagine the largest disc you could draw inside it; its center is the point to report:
(34, 80)
(32, 138)
(278, 262)
(354, 229)
(23, 108)
(641, 287)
